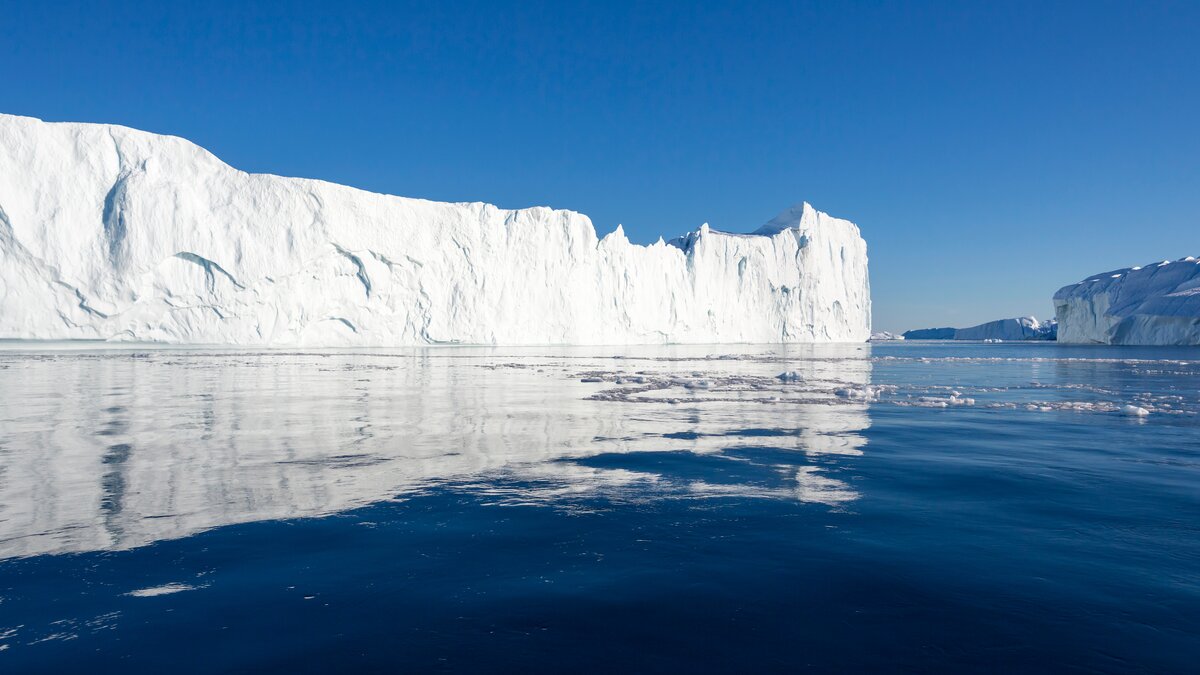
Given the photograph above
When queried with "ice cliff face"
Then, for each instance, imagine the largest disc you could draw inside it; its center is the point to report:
(1158, 304)
(111, 233)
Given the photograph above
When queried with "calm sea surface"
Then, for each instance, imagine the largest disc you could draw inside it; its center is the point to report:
(898, 507)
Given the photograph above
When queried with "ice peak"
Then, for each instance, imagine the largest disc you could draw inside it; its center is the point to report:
(790, 218)
(618, 234)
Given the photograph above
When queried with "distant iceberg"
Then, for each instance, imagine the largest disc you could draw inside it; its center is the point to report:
(1156, 304)
(111, 233)
(1021, 328)
(930, 334)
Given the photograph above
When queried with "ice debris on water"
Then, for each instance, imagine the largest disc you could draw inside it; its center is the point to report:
(165, 589)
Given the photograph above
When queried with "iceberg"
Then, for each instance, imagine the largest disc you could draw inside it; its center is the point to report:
(1156, 304)
(929, 334)
(1021, 328)
(117, 234)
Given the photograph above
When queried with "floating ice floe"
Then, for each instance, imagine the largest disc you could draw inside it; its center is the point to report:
(165, 589)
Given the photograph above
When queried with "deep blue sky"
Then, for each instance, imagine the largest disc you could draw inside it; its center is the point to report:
(990, 152)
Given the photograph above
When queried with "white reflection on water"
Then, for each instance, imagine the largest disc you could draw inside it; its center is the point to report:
(104, 450)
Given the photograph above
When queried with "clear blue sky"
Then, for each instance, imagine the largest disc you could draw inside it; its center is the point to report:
(990, 152)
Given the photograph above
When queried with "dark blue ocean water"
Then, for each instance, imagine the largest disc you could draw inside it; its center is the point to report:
(887, 507)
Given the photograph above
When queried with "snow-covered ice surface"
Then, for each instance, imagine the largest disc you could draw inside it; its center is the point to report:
(116, 234)
(1155, 304)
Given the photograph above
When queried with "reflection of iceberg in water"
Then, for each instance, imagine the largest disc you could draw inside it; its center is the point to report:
(117, 449)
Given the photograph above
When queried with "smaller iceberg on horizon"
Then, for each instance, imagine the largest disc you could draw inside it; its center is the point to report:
(1004, 330)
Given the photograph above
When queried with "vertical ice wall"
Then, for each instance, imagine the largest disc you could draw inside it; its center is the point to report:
(1156, 304)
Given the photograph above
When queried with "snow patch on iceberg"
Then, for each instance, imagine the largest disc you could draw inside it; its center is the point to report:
(112, 233)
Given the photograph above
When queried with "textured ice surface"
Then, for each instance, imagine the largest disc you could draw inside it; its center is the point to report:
(111, 233)
(1156, 304)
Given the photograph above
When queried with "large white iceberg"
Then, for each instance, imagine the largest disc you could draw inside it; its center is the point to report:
(112, 233)
(1156, 304)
